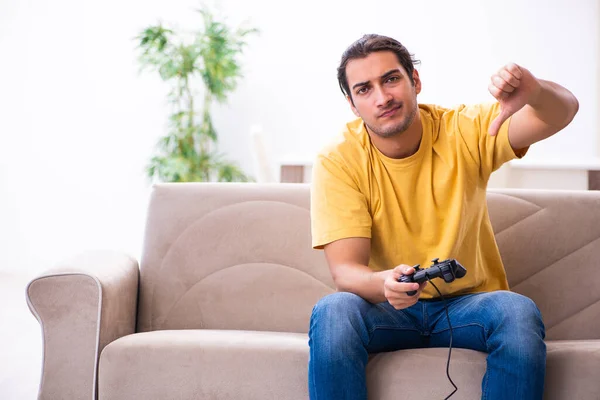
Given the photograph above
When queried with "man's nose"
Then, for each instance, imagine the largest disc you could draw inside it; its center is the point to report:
(382, 97)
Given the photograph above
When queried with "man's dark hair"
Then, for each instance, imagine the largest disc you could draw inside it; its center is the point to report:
(369, 44)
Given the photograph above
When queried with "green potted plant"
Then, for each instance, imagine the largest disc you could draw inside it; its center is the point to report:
(210, 55)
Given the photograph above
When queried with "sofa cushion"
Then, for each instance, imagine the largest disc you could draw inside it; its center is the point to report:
(221, 364)
(550, 244)
(224, 256)
(572, 370)
(213, 364)
(205, 364)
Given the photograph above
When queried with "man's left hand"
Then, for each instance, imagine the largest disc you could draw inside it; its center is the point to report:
(514, 87)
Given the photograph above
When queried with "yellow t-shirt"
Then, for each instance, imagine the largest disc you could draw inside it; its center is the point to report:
(429, 205)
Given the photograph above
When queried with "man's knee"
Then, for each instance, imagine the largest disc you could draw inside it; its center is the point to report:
(517, 311)
(337, 313)
(519, 328)
(336, 304)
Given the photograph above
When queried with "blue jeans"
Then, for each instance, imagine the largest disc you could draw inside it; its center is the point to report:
(345, 328)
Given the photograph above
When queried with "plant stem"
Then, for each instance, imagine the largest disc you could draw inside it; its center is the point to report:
(191, 123)
(207, 126)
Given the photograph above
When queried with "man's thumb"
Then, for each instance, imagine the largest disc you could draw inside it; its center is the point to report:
(403, 269)
(497, 123)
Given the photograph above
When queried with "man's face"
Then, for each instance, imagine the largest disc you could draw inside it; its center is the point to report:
(383, 94)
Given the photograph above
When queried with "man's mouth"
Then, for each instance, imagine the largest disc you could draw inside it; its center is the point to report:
(391, 111)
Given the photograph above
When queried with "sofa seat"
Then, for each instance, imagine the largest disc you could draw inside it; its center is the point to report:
(205, 364)
(221, 364)
(229, 364)
(571, 367)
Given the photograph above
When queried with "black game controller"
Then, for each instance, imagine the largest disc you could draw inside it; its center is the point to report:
(448, 269)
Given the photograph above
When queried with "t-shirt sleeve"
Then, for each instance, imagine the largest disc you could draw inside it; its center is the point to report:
(338, 208)
(490, 152)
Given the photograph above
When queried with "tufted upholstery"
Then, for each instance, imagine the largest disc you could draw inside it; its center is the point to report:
(246, 253)
(550, 246)
(220, 250)
(227, 282)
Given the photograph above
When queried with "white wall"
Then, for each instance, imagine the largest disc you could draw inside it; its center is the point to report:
(77, 123)
(291, 76)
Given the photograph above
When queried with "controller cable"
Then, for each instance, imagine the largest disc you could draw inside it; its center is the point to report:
(450, 346)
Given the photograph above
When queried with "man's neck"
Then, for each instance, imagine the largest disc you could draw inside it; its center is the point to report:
(401, 145)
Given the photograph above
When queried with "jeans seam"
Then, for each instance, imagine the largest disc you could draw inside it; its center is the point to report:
(464, 326)
(485, 385)
(374, 328)
(395, 317)
(398, 327)
(395, 328)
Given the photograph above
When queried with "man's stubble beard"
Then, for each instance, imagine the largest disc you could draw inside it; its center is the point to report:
(397, 129)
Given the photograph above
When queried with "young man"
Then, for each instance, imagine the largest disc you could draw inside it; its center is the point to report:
(406, 183)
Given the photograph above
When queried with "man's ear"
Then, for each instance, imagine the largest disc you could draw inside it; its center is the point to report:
(354, 110)
(417, 81)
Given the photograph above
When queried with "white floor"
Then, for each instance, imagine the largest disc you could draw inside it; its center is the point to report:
(20, 341)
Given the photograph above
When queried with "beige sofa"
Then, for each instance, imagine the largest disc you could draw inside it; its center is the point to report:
(219, 308)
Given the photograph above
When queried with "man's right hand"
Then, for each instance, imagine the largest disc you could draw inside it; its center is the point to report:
(348, 261)
(395, 292)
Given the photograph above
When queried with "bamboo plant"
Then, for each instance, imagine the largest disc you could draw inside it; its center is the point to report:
(206, 59)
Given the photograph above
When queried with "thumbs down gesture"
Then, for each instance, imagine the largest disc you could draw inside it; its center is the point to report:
(514, 87)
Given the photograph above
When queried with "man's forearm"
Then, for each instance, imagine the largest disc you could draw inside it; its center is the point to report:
(554, 105)
(362, 281)
(549, 108)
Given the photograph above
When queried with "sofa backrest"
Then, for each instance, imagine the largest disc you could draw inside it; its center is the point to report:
(230, 256)
(550, 246)
(239, 256)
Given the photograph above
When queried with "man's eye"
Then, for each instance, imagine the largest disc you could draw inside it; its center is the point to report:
(362, 90)
(393, 79)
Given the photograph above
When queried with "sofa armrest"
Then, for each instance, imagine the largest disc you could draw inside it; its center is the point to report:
(84, 304)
